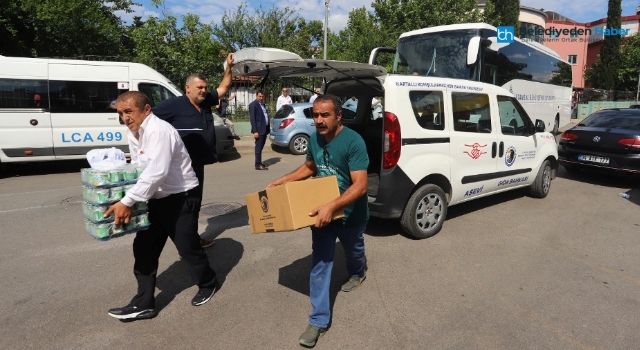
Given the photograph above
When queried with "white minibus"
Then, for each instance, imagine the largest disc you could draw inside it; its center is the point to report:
(52, 109)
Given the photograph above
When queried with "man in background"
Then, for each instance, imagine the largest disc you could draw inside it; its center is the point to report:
(259, 127)
(222, 112)
(193, 111)
(283, 99)
(313, 98)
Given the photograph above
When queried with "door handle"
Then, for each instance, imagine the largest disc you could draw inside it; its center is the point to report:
(501, 151)
(494, 150)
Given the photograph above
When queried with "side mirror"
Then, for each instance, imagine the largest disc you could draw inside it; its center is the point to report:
(540, 126)
(374, 53)
(472, 50)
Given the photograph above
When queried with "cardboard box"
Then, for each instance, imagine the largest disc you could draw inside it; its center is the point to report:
(286, 207)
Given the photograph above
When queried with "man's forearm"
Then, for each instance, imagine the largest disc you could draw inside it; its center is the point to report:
(225, 84)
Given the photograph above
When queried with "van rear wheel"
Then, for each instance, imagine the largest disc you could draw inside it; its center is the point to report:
(425, 212)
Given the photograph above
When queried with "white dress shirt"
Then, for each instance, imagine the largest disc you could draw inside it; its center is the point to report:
(283, 101)
(167, 164)
(377, 109)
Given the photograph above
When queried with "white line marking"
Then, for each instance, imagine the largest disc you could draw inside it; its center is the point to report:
(36, 207)
(57, 189)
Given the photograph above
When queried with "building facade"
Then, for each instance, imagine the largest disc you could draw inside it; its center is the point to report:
(577, 43)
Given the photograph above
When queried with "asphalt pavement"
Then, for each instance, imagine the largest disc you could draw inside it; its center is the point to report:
(506, 272)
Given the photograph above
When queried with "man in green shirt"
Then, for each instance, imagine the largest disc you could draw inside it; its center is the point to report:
(334, 150)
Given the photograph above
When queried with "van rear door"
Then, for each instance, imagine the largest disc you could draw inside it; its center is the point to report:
(25, 120)
(266, 62)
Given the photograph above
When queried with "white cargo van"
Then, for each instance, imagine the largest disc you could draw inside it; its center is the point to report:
(441, 141)
(54, 109)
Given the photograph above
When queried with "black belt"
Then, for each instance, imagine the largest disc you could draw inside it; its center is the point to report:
(175, 195)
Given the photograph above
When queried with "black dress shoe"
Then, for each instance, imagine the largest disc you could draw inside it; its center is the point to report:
(203, 295)
(132, 313)
(261, 167)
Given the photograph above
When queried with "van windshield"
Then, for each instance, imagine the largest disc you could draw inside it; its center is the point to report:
(440, 54)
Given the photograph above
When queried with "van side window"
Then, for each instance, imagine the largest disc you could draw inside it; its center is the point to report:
(428, 109)
(22, 93)
(157, 93)
(82, 96)
(513, 118)
(471, 112)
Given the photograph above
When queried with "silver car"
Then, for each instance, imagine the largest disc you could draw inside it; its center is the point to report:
(291, 127)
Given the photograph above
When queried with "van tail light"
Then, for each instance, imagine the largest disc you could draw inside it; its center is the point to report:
(392, 141)
(630, 142)
(568, 136)
(285, 123)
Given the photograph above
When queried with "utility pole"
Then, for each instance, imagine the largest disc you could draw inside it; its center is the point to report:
(326, 25)
(637, 90)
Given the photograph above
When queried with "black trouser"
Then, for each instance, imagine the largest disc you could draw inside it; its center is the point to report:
(196, 192)
(171, 217)
(260, 141)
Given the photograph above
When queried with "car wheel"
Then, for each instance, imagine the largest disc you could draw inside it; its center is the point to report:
(298, 144)
(425, 212)
(542, 184)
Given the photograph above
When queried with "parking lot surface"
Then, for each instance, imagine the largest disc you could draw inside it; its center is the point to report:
(505, 272)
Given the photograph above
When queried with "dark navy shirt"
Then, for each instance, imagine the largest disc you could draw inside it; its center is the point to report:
(195, 128)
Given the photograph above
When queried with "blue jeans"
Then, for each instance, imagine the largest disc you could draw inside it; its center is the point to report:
(324, 247)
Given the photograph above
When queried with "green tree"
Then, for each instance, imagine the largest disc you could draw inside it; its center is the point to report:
(629, 64)
(178, 52)
(399, 16)
(277, 28)
(355, 42)
(603, 74)
(503, 13)
(62, 27)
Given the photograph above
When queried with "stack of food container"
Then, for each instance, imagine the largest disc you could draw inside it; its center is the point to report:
(101, 189)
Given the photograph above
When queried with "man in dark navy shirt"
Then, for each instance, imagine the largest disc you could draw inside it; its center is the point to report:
(192, 116)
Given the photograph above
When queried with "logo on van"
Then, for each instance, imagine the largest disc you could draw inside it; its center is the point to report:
(510, 156)
(475, 152)
(505, 34)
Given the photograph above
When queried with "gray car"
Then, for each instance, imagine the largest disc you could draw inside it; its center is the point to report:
(291, 127)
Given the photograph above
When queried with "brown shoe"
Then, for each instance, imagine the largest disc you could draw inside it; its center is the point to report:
(236, 137)
(261, 167)
(206, 243)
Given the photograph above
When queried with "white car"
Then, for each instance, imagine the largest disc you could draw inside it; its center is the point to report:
(441, 141)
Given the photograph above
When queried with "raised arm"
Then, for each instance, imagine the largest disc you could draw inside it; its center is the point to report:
(225, 84)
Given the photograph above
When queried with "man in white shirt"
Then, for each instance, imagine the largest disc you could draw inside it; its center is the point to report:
(351, 104)
(164, 183)
(283, 99)
(313, 98)
(376, 106)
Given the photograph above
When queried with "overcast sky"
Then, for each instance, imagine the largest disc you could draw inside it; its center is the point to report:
(211, 11)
